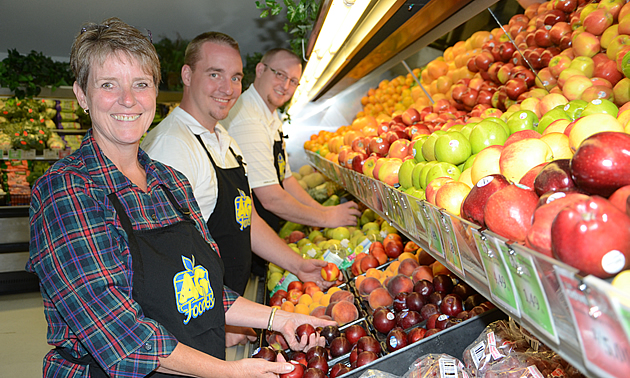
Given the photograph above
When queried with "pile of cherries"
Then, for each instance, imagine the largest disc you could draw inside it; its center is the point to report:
(442, 303)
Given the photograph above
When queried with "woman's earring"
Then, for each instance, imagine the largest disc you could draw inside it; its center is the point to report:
(86, 111)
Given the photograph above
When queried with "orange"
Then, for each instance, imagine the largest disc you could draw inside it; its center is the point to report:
(305, 299)
(301, 309)
(407, 255)
(373, 272)
(287, 306)
(325, 300)
(317, 296)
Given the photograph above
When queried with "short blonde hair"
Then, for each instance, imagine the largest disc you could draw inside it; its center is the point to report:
(193, 50)
(96, 42)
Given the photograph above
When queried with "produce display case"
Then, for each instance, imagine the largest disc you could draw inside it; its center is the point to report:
(584, 319)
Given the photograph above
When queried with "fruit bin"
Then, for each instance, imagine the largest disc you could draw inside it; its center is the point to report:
(584, 319)
(451, 341)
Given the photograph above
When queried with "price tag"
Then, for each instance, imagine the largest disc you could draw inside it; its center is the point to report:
(29, 154)
(433, 236)
(449, 241)
(51, 154)
(603, 342)
(621, 303)
(15, 154)
(533, 302)
(420, 230)
(499, 280)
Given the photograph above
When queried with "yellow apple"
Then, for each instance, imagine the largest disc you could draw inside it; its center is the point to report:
(519, 157)
(557, 126)
(466, 177)
(486, 163)
(451, 195)
(591, 124)
(559, 144)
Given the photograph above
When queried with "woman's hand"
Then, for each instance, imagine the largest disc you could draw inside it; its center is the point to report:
(287, 323)
(257, 367)
(311, 270)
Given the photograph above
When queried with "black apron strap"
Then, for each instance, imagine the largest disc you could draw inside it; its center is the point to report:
(95, 370)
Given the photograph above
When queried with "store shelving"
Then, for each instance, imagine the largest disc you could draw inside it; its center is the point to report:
(582, 318)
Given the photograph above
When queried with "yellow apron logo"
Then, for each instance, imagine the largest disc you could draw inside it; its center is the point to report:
(243, 207)
(192, 290)
(281, 166)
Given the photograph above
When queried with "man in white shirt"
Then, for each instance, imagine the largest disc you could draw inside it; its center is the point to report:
(192, 141)
(254, 123)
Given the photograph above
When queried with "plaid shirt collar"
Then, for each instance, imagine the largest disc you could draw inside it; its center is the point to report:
(107, 176)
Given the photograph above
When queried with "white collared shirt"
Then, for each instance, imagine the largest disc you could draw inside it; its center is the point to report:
(173, 143)
(255, 129)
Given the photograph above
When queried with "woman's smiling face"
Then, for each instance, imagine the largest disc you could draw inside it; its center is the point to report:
(121, 98)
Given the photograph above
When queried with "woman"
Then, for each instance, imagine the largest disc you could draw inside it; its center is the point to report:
(130, 276)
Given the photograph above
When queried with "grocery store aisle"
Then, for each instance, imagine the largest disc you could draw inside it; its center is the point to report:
(22, 335)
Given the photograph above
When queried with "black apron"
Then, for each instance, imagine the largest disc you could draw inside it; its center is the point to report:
(230, 222)
(177, 281)
(259, 264)
(280, 164)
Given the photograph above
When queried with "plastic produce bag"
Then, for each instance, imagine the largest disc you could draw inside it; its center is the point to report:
(437, 365)
(377, 374)
(498, 340)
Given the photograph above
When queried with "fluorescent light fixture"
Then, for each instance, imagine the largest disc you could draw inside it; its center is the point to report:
(336, 41)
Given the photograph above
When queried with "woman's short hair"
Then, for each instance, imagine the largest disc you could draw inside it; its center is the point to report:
(96, 42)
(193, 50)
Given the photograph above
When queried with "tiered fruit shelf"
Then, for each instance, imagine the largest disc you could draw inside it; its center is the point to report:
(582, 318)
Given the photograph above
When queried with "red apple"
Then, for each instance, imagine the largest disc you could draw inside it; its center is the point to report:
(539, 235)
(509, 212)
(601, 163)
(593, 236)
(473, 205)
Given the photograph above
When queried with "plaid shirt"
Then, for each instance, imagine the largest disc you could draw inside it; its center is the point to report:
(79, 251)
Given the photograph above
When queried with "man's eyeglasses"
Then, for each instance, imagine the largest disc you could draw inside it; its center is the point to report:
(283, 77)
(103, 27)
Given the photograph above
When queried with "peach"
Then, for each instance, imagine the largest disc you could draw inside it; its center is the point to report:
(342, 295)
(398, 284)
(368, 285)
(380, 297)
(344, 312)
(380, 256)
(422, 272)
(319, 310)
(407, 266)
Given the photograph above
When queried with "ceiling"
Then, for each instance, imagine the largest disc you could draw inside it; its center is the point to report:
(50, 26)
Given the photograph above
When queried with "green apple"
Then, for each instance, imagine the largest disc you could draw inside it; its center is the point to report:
(374, 235)
(443, 169)
(416, 149)
(370, 226)
(429, 145)
(302, 242)
(453, 147)
(467, 129)
(552, 115)
(423, 174)
(455, 127)
(415, 175)
(418, 193)
(469, 162)
(574, 108)
(314, 234)
(487, 133)
(600, 105)
(404, 173)
(500, 122)
(522, 120)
